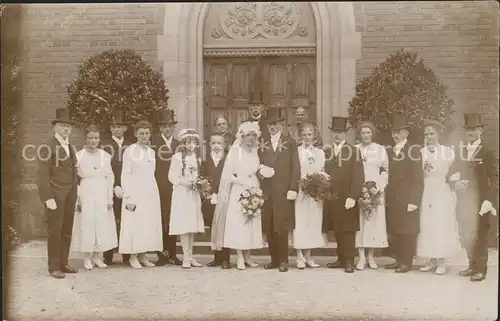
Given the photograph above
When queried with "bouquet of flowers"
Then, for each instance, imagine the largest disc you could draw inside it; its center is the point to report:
(371, 198)
(251, 201)
(316, 185)
(202, 186)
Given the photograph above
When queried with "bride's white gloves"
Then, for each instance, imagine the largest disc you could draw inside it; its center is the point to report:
(487, 207)
(266, 171)
(349, 203)
(118, 192)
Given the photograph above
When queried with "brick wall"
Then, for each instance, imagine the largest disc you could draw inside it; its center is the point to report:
(458, 41)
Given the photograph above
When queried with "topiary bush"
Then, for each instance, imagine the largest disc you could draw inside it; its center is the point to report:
(116, 79)
(401, 84)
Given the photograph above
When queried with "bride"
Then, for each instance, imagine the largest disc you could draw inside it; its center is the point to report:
(230, 229)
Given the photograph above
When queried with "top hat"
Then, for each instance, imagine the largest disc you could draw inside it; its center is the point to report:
(274, 116)
(62, 116)
(118, 117)
(399, 122)
(254, 100)
(473, 120)
(339, 124)
(166, 116)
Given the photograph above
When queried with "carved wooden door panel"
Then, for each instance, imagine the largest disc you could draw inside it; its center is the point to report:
(289, 82)
(228, 84)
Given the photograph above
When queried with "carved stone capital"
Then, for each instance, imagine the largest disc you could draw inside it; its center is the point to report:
(263, 51)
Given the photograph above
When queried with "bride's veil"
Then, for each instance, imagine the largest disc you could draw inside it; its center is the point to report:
(232, 159)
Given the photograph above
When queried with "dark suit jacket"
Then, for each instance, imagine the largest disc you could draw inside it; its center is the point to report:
(111, 147)
(213, 173)
(163, 160)
(228, 139)
(286, 164)
(406, 184)
(57, 173)
(347, 176)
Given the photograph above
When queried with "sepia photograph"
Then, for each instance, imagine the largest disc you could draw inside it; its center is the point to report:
(250, 160)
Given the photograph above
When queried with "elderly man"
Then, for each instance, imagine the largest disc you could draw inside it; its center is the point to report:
(294, 129)
(222, 129)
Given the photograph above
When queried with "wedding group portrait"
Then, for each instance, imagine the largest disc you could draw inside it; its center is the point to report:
(288, 150)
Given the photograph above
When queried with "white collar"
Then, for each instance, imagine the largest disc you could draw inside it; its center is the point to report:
(401, 144)
(62, 141)
(255, 118)
(167, 140)
(118, 140)
(339, 145)
(217, 154)
(474, 144)
(276, 137)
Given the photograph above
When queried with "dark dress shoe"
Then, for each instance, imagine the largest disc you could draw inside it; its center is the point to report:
(349, 268)
(174, 260)
(270, 266)
(69, 269)
(335, 265)
(214, 263)
(226, 265)
(162, 260)
(57, 275)
(476, 277)
(466, 273)
(403, 268)
(392, 266)
(282, 267)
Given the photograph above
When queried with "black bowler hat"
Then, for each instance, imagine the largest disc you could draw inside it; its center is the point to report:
(473, 120)
(339, 124)
(399, 122)
(166, 116)
(118, 117)
(62, 116)
(273, 116)
(254, 100)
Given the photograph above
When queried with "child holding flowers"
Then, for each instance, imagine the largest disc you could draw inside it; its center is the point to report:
(309, 208)
(186, 217)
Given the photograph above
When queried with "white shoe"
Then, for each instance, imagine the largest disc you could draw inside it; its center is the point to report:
(427, 268)
(99, 263)
(241, 264)
(87, 264)
(372, 264)
(301, 264)
(195, 263)
(440, 270)
(361, 264)
(251, 263)
(312, 264)
(134, 263)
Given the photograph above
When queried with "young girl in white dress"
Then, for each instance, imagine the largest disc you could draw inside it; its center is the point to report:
(372, 231)
(308, 212)
(186, 218)
(94, 230)
(140, 229)
(438, 238)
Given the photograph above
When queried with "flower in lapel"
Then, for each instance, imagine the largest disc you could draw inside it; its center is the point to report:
(282, 145)
(311, 159)
(263, 145)
(428, 167)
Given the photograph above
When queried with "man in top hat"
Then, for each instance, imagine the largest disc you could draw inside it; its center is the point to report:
(294, 129)
(278, 218)
(403, 195)
(344, 165)
(475, 177)
(256, 110)
(115, 147)
(165, 145)
(57, 187)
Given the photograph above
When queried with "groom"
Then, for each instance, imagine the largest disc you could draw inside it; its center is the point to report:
(280, 153)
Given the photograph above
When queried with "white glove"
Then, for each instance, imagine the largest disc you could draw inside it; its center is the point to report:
(487, 207)
(213, 199)
(455, 177)
(461, 185)
(349, 203)
(291, 195)
(325, 175)
(266, 171)
(118, 191)
(51, 204)
(411, 207)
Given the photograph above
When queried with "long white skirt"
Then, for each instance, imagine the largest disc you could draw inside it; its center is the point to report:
(308, 224)
(185, 213)
(373, 231)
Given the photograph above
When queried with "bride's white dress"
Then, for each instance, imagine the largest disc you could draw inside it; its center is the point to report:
(230, 228)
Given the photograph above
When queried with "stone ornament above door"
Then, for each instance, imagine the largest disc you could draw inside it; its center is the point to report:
(253, 24)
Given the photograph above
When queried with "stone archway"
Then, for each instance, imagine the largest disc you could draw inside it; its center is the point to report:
(180, 49)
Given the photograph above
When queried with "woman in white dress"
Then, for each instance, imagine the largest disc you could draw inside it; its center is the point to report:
(94, 230)
(230, 228)
(140, 229)
(308, 212)
(372, 231)
(438, 238)
(186, 218)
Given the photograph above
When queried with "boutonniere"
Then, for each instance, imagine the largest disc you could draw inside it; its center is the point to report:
(311, 159)
(192, 168)
(428, 167)
(94, 167)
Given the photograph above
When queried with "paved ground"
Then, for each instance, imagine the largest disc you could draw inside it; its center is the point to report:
(171, 293)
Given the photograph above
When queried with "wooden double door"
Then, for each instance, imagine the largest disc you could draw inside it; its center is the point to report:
(281, 82)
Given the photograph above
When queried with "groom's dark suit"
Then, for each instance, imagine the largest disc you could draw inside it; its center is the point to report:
(278, 217)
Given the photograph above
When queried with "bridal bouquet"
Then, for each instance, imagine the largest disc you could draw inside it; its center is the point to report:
(371, 198)
(202, 186)
(251, 201)
(316, 185)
